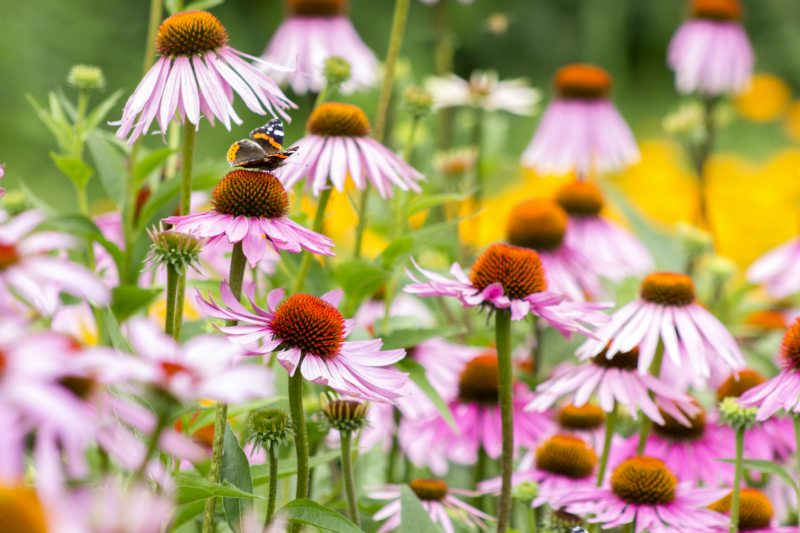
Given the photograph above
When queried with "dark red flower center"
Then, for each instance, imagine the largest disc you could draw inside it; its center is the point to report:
(583, 82)
(621, 360)
(170, 369)
(755, 509)
(518, 270)
(538, 224)
(250, 193)
(480, 381)
(668, 288)
(566, 456)
(580, 198)
(8, 256)
(317, 8)
(310, 324)
(584, 418)
(429, 489)
(790, 348)
(190, 33)
(338, 120)
(748, 379)
(674, 430)
(644, 480)
(721, 10)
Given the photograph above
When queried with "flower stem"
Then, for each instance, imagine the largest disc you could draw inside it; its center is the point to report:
(797, 486)
(349, 483)
(172, 290)
(189, 138)
(300, 435)
(737, 479)
(478, 475)
(392, 459)
(323, 95)
(611, 422)
(362, 220)
(701, 155)
(236, 277)
(531, 517)
(655, 370)
(395, 42)
(272, 453)
(502, 321)
(179, 303)
(537, 349)
(477, 138)
(305, 263)
(163, 422)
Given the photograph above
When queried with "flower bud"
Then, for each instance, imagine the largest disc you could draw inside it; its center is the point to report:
(86, 78)
(695, 241)
(525, 491)
(418, 101)
(269, 427)
(337, 71)
(735, 416)
(171, 248)
(344, 414)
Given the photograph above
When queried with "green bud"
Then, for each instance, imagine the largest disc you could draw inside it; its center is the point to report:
(695, 241)
(171, 248)
(86, 78)
(418, 101)
(525, 491)
(269, 427)
(337, 71)
(344, 414)
(15, 202)
(735, 416)
(720, 269)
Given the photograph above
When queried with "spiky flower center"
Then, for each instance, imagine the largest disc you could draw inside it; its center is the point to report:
(564, 519)
(8, 256)
(538, 224)
(20, 511)
(755, 509)
(747, 380)
(622, 360)
(668, 288)
(310, 324)
(644, 481)
(480, 381)
(190, 33)
(720, 10)
(566, 456)
(580, 198)
(582, 81)
(338, 120)
(674, 430)
(583, 418)
(518, 270)
(250, 193)
(317, 8)
(790, 348)
(429, 489)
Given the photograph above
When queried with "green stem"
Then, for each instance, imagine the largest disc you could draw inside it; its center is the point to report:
(300, 435)
(83, 104)
(362, 219)
(531, 517)
(272, 453)
(701, 157)
(537, 348)
(324, 94)
(477, 141)
(655, 370)
(305, 263)
(479, 475)
(392, 460)
(163, 422)
(189, 136)
(179, 304)
(797, 440)
(349, 483)
(236, 277)
(503, 340)
(174, 142)
(737, 479)
(172, 290)
(395, 43)
(611, 422)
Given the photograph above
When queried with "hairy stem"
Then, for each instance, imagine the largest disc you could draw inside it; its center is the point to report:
(272, 453)
(172, 291)
(503, 340)
(531, 517)
(305, 263)
(797, 440)
(349, 482)
(300, 435)
(163, 422)
(395, 43)
(737, 479)
(611, 421)
(655, 370)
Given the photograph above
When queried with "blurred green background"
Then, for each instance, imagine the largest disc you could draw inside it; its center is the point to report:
(43, 38)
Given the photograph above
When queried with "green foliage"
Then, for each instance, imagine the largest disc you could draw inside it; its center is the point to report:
(191, 489)
(236, 471)
(416, 372)
(413, 516)
(128, 299)
(309, 512)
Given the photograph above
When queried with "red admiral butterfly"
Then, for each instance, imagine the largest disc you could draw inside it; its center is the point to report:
(263, 152)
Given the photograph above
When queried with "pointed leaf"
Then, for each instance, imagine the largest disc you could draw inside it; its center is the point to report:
(236, 471)
(118, 340)
(429, 201)
(359, 280)
(288, 467)
(79, 172)
(203, 4)
(408, 338)
(191, 489)
(147, 165)
(208, 413)
(61, 130)
(417, 374)
(187, 513)
(99, 113)
(413, 516)
(128, 299)
(311, 513)
(110, 167)
(767, 467)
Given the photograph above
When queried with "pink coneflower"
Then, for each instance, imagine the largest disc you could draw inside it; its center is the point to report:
(581, 130)
(586, 422)
(508, 276)
(402, 305)
(28, 270)
(311, 333)
(782, 391)
(338, 144)
(562, 464)
(616, 252)
(755, 513)
(431, 441)
(436, 497)
(197, 72)
(644, 491)
(484, 90)
(314, 31)
(2, 173)
(690, 451)
(777, 269)
(693, 338)
(541, 225)
(614, 379)
(711, 53)
(251, 207)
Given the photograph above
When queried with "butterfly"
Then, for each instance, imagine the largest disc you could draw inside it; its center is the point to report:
(264, 151)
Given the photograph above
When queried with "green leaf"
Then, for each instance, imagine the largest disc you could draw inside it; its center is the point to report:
(417, 374)
(429, 201)
(83, 227)
(288, 467)
(236, 471)
(407, 338)
(359, 280)
(147, 165)
(311, 513)
(208, 414)
(127, 299)
(767, 467)
(397, 248)
(172, 6)
(413, 516)
(76, 170)
(118, 340)
(110, 167)
(191, 489)
(99, 113)
(169, 191)
(187, 513)
(203, 4)
(60, 130)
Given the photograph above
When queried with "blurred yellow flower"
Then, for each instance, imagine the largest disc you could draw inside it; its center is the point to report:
(792, 123)
(158, 310)
(765, 100)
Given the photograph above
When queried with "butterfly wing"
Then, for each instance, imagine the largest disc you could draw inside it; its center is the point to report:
(269, 137)
(272, 161)
(245, 153)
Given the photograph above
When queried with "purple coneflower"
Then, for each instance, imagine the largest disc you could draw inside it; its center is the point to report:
(616, 252)
(778, 269)
(711, 53)
(252, 207)
(755, 513)
(197, 72)
(2, 173)
(436, 497)
(508, 276)
(693, 338)
(644, 491)
(541, 225)
(581, 130)
(338, 144)
(27, 270)
(314, 31)
(484, 90)
(587, 422)
(311, 333)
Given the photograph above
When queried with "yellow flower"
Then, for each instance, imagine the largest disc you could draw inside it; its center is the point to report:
(158, 310)
(765, 100)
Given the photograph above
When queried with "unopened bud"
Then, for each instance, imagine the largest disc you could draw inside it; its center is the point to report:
(344, 414)
(418, 101)
(175, 249)
(86, 78)
(736, 416)
(337, 71)
(269, 427)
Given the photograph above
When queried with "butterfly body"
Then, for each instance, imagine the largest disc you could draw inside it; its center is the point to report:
(263, 150)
